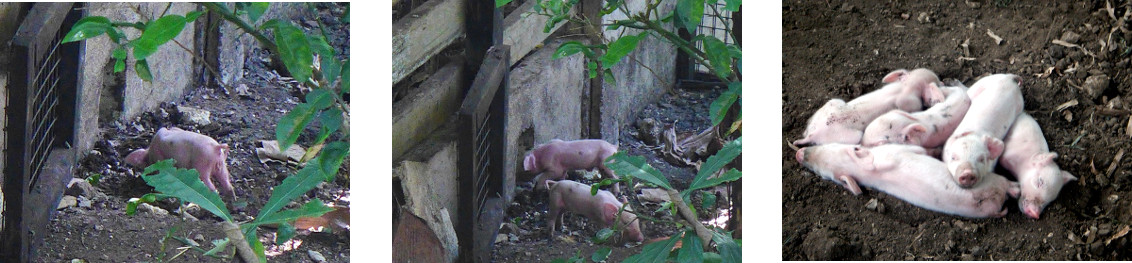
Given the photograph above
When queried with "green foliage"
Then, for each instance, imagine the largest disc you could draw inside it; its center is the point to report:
(331, 120)
(692, 250)
(721, 105)
(93, 179)
(577, 258)
(601, 254)
(254, 10)
(291, 125)
(689, 13)
(656, 252)
(291, 188)
(156, 34)
(619, 48)
(142, 67)
(88, 27)
(730, 150)
(132, 204)
(119, 56)
(708, 199)
(729, 250)
(184, 184)
(636, 167)
(294, 50)
(718, 55)
(217, 247)
(568, 48)
(285, 232)
(501, 3)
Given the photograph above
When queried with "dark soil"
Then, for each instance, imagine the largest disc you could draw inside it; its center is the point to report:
(102, 232)
(688, 110)
(842, 49)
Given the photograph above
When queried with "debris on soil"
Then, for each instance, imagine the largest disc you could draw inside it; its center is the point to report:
(269, 151)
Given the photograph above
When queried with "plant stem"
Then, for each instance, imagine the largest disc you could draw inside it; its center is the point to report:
(688, 215)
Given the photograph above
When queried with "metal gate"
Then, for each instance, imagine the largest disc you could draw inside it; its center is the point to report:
(481, 144)
(39, 126)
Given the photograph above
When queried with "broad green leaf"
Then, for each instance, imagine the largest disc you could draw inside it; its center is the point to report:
(329, 64)
(119, 55)
(733, 5)
(272, 24)
(501, 3)
(657, 251)
(601, 254)
(603, 235)
(719, 56)
(284, 232)
(553, 21)
(721, 105)
(142, 68)
(255, 11)
(119, 65)
(192, 16)
(708, 199)
(692, 249)
(217, 247)
(568, 48)
(88, 27)
(185, 184)
(314, 208)
(346, 77)
(331, 158)
(712, 257)
(607, 76)
(292, 187)
(253, 241)
(689, 13)
(115, 35)
(320, 99)
(592, 68)
(292, 124)
(728, 249)
(156, 34)
(636, 166)
(132, 204)
(331, 120)
(619, 48)
(730, 150)
(294, 50)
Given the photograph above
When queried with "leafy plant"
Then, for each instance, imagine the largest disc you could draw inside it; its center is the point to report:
(307, 57)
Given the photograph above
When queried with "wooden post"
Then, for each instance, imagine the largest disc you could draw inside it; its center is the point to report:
(591, 9)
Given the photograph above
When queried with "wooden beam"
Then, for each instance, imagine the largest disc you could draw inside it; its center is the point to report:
(424, 32)
(524, 33)
(426, 107)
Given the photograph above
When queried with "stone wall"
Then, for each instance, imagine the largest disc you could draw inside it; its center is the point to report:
(636, 86)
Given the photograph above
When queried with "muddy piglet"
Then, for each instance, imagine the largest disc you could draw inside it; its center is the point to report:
(1027, 156)
(841, 122)
(904, 172)
(556, 157)
(190, 150)
(601, 208)
(973, 150)
(929, 128)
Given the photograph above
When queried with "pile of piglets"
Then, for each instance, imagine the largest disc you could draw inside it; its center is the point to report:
(551, 161)
(941, 158)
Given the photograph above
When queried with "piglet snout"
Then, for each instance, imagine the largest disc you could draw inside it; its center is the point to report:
(967, 179)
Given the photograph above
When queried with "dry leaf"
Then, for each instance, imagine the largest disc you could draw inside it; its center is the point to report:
(1123, 231)
(270, 151)
(337, 220)
(1066, 105)
(1115, 162)
(655, 195)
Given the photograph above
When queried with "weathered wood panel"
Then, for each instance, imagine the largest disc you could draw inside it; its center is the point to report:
(524, 33)
(426, 108)
(425, 31)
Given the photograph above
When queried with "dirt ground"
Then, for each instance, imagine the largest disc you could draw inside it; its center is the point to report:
(99, 231)
(688, 109)
(1089, 221)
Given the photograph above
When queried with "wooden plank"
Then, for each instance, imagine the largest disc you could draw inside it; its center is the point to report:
(426, 108)
(524, 33)
(424, 32)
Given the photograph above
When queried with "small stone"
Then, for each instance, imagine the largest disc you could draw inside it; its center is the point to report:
(193, 115)
(99, 227)
(148, 208)
(872, 204)
(1096, 85)
(315, 256)
(67, 201)
(1070, 37)
(83, 202)
(80, 187)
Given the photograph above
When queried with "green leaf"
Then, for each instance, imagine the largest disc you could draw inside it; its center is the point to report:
(568, 48)
(692, 250)
(346, 77)
(592, 68)
(657, 251)
(331, 120)
(142, 68)
(115, 35)
(712, 257)
(607, 76)
(192, 16)
(119, 53)
(730, 150)
(294, 50)
(320, 99)
(721, 105)
(156, 34)
(119, 65)
(689, 13)
(314, 208)
(293, 187)
(636, 166)
(284, 232)
(601, 254)
(718, 55)
(256, 10)
(619, 48)
(329, 64)
(501, 3)
(217, 247)
(733, 5)
(94, 179)
(184, 184)
(292, 124)
(88, 27)
(331, 158)
(708, 199)
(728, 249)
(603, 235)
(253, 241)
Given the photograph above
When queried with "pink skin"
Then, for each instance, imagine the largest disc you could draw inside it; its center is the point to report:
(840, 122)
(556, 157)
(601, 208)
(190, 150)
(1027, 156)
(905, 172)
(973, 149)
(928, 128)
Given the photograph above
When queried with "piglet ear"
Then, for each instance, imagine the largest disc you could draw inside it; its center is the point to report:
(529, 162)
(895, 76)
(1044, 158)
(994, 146)
(915, 130)
(610, 213)
(1068, 176)
(222, 148)
(137, 157)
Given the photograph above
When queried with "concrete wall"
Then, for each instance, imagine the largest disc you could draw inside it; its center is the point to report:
(545, 99)
(636, 86)
(171, 67)
(234, 44)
